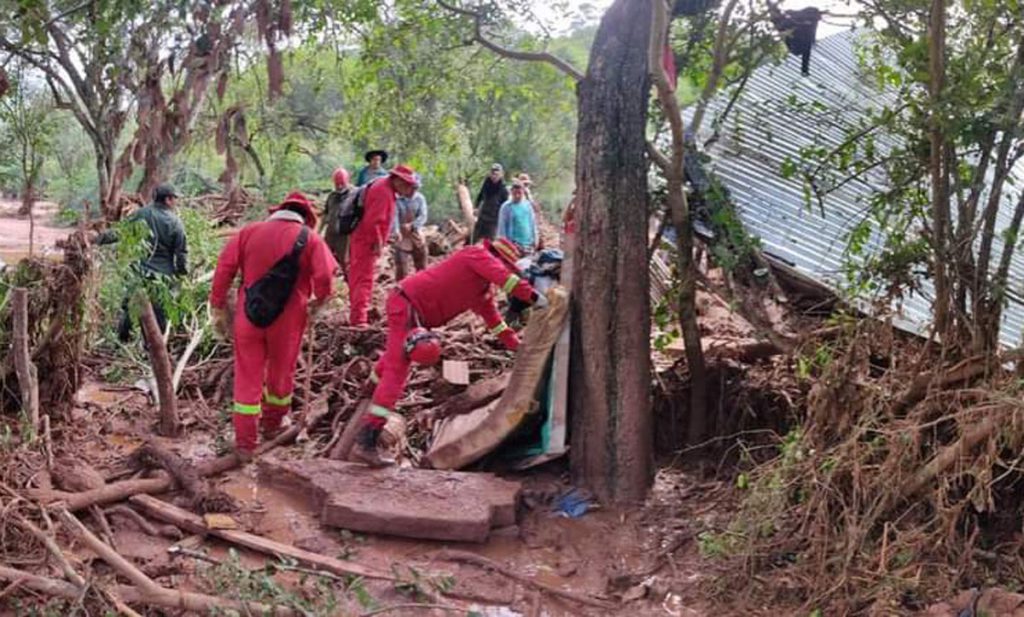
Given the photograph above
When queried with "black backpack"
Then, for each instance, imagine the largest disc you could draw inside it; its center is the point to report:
(351, 210)
(266, 298)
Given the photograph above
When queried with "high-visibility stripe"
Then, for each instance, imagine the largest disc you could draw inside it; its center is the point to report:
(498, 329)
(379, 411)
(246, 409)
(510, 283)
(277, 401)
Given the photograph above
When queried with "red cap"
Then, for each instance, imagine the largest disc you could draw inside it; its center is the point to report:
(299, 202)
(404, 172)
(340, 177)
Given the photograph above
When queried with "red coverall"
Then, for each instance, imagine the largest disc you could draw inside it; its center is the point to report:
(365, 246)
(433, 297)
(265, 358)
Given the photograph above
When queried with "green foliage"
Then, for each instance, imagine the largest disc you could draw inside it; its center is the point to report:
(313, 596)
(26, 127)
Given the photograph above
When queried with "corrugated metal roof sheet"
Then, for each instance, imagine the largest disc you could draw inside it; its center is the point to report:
(779, 113)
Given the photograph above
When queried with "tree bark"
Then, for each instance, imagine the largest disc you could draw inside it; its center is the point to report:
(28, 381)
(170, 426)
(612, 442)
(939, 176)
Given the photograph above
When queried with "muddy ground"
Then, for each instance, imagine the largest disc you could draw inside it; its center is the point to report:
(647, 555)
(15, 230)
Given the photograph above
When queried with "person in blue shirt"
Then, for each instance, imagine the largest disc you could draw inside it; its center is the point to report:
(517, 221)
(374, 167)
(407, 234)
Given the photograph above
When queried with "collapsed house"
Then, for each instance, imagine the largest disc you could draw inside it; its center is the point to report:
(778, 116)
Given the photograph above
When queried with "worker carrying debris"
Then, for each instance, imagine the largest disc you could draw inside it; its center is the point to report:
(283, 263)
(432, 298)
(371, 235)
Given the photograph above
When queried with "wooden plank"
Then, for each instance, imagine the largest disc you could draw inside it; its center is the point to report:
(455, 372)
(560, 368)
(194, 524)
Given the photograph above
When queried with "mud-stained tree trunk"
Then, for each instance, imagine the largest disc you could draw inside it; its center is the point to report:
(612, 441)
(28, 381)
(170, 426)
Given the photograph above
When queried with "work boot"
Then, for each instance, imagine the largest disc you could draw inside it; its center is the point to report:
(365, 449)
(245, 456)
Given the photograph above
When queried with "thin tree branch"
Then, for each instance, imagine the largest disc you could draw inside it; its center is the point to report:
(722, 51)
(529, 56)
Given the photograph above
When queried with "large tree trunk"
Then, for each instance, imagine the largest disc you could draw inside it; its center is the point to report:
(612, 441)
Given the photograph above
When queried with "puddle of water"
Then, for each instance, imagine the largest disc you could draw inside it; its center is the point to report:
(275, 514)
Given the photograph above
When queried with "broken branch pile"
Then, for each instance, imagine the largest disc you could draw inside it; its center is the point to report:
(55, 326)
(893, 485)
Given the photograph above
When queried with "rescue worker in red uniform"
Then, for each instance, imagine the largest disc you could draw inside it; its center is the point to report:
(371, 235)
(432, 298)
(265, 358)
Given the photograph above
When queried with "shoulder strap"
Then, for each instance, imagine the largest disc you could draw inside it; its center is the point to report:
(300, 242)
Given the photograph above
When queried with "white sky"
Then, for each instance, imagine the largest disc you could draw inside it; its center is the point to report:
(564, 14)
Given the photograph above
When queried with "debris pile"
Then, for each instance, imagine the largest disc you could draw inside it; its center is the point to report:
(901, 485)
(56, 307)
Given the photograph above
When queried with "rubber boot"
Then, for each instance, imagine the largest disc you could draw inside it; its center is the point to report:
(365, 449)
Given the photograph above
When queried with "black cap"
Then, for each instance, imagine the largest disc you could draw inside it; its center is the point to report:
(383, 155)
(163, 191)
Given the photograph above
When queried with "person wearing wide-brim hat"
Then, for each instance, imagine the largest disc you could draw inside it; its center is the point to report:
(374, 167)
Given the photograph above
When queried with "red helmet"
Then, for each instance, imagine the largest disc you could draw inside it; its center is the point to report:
(298, 202)
(423, 346)
(506, 250)
(340, 177)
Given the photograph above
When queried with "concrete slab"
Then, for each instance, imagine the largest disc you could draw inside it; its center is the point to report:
(414, 503)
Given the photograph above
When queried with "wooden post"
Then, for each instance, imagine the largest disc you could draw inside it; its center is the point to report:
(466, 205)
(28, 381)
(170, 426)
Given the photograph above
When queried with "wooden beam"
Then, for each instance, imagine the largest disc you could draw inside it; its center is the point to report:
(195, 524)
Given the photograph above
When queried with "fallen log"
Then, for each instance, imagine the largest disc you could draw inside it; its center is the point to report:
(949, 455)
(149, 590)
(203, 498)
(166, 598)
(110, 493)
(195, 524)
(938, 379)
(119, 491)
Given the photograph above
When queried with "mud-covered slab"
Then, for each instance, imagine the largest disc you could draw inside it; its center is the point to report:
(414, 503)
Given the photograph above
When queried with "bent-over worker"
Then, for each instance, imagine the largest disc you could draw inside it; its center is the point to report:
(463, 282)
